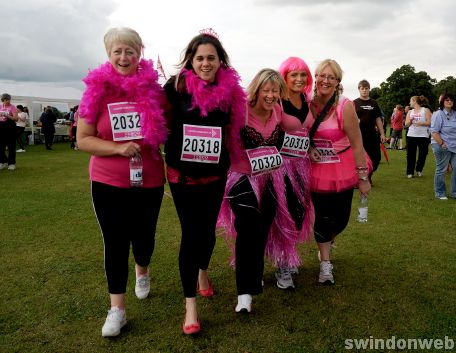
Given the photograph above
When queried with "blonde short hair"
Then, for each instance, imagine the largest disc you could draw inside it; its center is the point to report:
(123, 35)
(263, 76)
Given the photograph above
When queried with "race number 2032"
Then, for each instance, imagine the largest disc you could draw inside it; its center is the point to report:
(125, 121)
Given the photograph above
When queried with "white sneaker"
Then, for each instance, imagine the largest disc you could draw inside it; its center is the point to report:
(244, 304)
(326, 276)
(3, 166)
(443, 198)
(12, 167)
(294, 270)
(142, 287)
(409, 176)
(420, 174)
(115, 320)
(20, 150)
(284, 279)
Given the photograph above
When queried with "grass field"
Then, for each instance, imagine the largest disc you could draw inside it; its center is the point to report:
(395, 275)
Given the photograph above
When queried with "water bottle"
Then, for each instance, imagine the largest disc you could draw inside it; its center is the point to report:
(136, 170)
(362, 209)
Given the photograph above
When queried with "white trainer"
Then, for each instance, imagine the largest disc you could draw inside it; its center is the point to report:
(12, 167)
(420, 174)
(3, 166)
(244, 304)
(20, 150)
(142, 287)
(115, 320)
(284, 279)
(326, 275)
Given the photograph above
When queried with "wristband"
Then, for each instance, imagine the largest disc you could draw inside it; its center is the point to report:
(364, 178)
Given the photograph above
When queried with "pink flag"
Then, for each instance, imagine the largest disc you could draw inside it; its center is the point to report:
(160, 68)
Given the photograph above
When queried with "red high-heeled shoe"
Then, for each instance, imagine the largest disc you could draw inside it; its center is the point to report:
(192, 328)
(209, 292)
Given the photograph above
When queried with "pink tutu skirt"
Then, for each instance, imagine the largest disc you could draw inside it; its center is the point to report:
(335, 177)
(285, 233)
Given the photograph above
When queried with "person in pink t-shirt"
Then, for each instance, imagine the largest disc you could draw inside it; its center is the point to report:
(397, 124)
(339, 161)
(8, 118)
(121, 115)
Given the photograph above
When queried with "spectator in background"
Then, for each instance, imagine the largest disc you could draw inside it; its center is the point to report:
(443, 131)
(418, 121)
(370, 124)
(397, 124)
(21, 122)
(406, 110)
(48, 120)
(8, 118)
(74, 117)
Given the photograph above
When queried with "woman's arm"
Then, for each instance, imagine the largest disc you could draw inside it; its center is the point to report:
(89, 142)
(407, 119)
(351, 128)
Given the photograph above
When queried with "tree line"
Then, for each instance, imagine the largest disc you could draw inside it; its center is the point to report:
(404, 83)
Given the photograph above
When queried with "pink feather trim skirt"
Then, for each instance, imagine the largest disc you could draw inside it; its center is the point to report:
(294, 218)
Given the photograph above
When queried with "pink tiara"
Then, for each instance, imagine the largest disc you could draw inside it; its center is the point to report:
(209, 32)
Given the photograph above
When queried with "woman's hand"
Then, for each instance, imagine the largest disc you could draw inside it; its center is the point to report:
(314, 155)
(364, 187)
(128, 149)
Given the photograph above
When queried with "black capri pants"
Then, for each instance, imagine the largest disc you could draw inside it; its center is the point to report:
(332, 213)
(126, 215)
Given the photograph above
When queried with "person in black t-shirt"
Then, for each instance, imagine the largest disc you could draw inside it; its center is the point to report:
(370, 124)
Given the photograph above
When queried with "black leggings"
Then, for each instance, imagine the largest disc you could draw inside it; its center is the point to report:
(414, 143)
(252, 224)
(332, 213)
(198, 207)
(8, 139)
(126, 215)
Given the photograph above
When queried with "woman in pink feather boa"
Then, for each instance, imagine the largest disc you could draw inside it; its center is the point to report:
(121, 115)
(206, 112)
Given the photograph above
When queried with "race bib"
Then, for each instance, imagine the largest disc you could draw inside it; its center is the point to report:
(202, 144)
(295, 144)
(327, 152)
(125, 121)
(264, 159)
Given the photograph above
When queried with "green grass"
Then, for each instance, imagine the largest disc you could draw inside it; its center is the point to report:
(395, 275)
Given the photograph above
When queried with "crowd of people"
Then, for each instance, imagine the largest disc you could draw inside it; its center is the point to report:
(274, 165)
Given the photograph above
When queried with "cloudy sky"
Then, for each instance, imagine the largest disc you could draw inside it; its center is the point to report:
(49, 45)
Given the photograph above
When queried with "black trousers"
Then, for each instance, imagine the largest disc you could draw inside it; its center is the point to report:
(8, 139)
(414, 143)
(126, 216)
(332, 213)
(198, 207)
(48, 139)
(19, 132)
(252, 224)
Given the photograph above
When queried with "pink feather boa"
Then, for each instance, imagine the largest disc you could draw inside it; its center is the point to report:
(227, 95)
(141, 87)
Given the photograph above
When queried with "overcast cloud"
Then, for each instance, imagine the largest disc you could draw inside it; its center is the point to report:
(51, 44)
